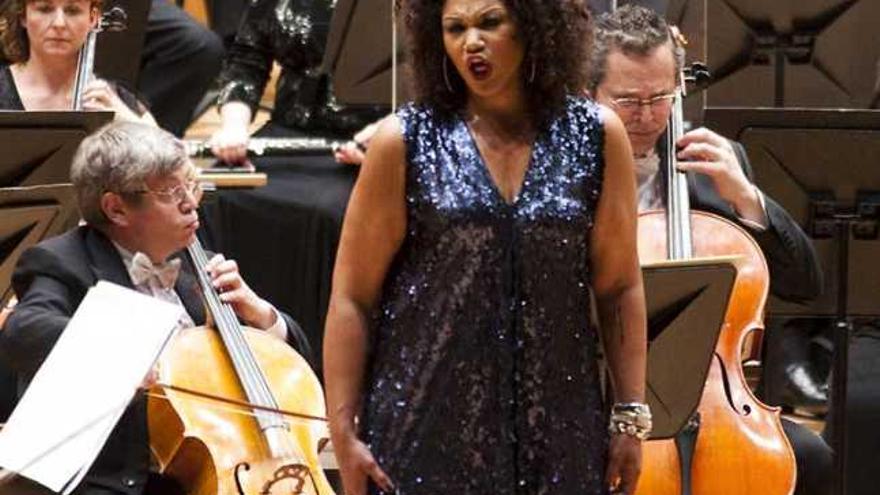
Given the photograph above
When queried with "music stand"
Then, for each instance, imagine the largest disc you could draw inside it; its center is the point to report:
(36, 199)
(38, 146)
(358, 53)
(686, 303)
(792, 53)
(27, 216)
(821, 166)
(817, 164)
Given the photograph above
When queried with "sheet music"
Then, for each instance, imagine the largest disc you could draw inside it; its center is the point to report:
(85, 384)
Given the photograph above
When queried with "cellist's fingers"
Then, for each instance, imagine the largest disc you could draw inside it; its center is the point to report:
(151, 378)
(214, 261)
(228, 280)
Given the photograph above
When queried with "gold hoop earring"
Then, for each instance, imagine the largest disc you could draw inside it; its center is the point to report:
(446, 75)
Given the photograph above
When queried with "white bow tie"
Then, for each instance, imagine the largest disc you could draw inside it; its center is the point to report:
(142, 270)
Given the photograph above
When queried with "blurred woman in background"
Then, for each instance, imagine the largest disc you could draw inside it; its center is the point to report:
(41, 41)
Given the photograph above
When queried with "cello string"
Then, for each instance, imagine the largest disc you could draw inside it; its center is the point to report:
(244, 368)
(250, 374)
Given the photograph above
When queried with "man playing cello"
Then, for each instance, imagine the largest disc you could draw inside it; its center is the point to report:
(635, 67)
(138, 193)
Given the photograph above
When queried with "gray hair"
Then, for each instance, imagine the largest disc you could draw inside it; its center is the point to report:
(119, 158)
(632, 29)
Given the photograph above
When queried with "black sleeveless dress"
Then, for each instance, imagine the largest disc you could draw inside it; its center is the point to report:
(483, 376)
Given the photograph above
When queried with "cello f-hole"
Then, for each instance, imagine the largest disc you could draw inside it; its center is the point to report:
(243, 466)
(725, 381)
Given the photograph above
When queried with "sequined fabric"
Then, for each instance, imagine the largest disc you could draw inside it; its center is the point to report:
(293, 32)
(484, 377)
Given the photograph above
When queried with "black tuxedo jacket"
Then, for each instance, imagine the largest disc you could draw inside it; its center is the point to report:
(795, 274)
(50, 280)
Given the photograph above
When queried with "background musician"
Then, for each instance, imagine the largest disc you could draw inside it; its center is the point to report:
(304, 102)
(303, 204)
(41, 40)
(137, 191)
(635, 67)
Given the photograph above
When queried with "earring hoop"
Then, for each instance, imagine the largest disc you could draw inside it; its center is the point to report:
(446, 75)
(531, 79)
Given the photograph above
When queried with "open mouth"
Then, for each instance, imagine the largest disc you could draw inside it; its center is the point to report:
(479, 68)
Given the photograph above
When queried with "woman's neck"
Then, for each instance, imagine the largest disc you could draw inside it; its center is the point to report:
(506, 114)
(46, 82)
(51, 72)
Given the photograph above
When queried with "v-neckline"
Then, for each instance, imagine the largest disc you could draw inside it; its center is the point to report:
(487, 174)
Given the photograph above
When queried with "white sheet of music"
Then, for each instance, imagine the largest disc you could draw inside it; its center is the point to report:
(79, 393)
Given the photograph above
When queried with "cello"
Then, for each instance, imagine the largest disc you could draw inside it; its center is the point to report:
(734, 444)
(219, 417)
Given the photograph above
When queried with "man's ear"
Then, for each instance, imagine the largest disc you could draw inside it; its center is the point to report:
(94, 17)
(115, 209)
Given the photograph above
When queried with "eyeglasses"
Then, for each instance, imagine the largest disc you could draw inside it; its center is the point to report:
(654, 103)
(178, 193)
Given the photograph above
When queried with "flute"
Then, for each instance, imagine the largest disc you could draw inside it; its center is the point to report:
(270, 146)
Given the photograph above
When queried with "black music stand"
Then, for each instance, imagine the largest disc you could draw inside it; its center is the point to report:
(358, 53)
(792, 53)
(821, 165)
(686, 304)
(38, 146)
(27, 216)
(36, 199)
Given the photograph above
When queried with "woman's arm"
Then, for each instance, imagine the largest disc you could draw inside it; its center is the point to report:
(229, 143)
(373, 231)
(617, 276)
(102, 95)
(243, 79)
(620, 299)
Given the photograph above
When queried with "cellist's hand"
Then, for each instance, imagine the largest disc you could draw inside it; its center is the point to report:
(226, 278)
(624, 463)
(151, 379)
(356, 465)
(704, 151)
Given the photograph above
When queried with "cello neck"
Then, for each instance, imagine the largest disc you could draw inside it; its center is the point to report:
(678, 206)
(113, 20)
(251, 376)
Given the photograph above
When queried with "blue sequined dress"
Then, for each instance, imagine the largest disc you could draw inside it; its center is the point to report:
(483, 376)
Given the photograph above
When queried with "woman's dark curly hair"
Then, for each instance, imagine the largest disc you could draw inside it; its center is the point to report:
(13, 37)
(556, 37)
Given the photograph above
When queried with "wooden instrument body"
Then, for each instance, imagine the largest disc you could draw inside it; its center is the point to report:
(741, 447)
(204, 443)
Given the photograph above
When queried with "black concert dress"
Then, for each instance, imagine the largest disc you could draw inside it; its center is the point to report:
(293, 33)
(11, 100)
(483, 376)
(284, 235)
